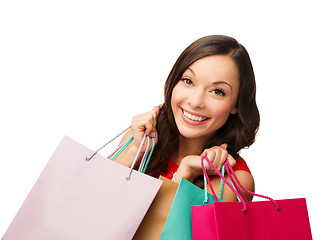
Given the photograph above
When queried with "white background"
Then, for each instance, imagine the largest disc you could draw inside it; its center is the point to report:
(84, 68)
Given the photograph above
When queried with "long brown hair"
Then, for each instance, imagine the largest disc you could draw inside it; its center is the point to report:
(240, 129)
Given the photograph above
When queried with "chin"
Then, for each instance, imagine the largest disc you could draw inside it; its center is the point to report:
(194, 133)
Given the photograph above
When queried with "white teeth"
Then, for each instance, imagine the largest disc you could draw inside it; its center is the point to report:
(194, 118)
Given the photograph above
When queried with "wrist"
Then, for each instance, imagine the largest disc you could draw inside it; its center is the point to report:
(187, 172)
(127, 156)
(134, 151)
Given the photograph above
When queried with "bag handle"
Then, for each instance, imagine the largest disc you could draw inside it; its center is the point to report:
(145, 159)
(136, 156)
(234, 178)
(221, 184)
(89, 158)
(120, 149)
(224, 179)
(234, 182)
(206, 198)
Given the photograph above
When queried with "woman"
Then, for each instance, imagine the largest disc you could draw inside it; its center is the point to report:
(209, 109)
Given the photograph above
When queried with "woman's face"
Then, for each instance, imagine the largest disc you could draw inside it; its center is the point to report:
(205, 96)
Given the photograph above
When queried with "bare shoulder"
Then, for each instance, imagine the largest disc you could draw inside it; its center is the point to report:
(247, 180)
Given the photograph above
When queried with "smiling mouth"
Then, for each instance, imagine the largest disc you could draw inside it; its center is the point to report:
(194, 117)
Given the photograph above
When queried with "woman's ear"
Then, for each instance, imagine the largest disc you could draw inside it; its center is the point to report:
(234, 111)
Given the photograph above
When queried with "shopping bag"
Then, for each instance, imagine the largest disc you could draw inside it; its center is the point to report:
(155, 219)
(75, 198)
(203, 222)
(179, 223)
(281, 219)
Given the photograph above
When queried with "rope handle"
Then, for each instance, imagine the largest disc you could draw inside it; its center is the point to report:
(136, 157)
(206, 198)
(89, 158)
(120, 149)
(221, 184)
(224, 179)
(234, 178)
(145, 159)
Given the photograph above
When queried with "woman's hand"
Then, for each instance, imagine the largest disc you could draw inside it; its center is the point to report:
(190, 166)
(145, 123)
(217, 156)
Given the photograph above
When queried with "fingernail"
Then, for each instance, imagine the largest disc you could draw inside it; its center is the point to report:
(152, 134)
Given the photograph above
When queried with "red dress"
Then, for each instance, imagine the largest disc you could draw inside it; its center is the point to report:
(172, 168)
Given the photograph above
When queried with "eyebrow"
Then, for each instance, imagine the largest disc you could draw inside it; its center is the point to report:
(222, 82)
(191, 70)
(217, 82)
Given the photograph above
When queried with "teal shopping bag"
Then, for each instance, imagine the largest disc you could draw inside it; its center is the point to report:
(179, 224)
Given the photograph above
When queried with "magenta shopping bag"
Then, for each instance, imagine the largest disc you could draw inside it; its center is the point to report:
(267, 220)
(203, 222)
(78, 199)
(203, 216)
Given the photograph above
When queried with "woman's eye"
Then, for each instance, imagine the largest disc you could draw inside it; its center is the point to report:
(218, 91)
(187, 81)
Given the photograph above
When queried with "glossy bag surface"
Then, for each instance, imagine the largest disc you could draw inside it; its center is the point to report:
(78, 199)
(203, 222)
(267, 220)
(263, 221)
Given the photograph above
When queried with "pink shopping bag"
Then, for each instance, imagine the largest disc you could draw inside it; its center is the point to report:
(78, 199)
(267, 220)
(203, 216)
(203, 222)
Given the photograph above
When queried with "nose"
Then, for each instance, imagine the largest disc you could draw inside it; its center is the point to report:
(196, 99)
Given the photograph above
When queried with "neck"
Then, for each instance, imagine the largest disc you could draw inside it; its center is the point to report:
(188, 146)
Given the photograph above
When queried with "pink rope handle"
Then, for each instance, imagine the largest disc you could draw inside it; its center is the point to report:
(224, 179)
(208, 179)
(234, 182)
(232, 172)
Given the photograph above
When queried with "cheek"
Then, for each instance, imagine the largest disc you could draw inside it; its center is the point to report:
(221, 111)
(177, 96)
